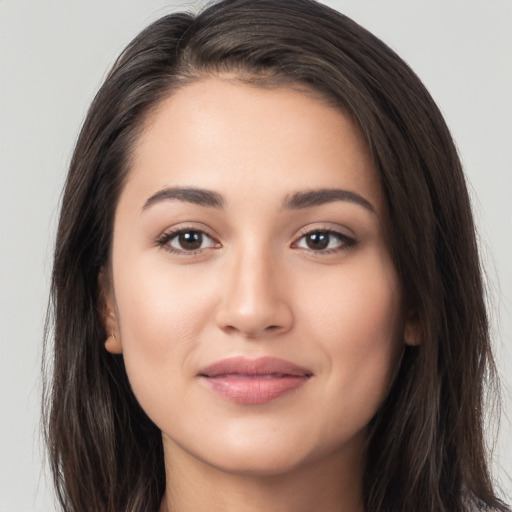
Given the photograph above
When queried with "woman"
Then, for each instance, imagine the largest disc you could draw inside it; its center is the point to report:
(266, 285)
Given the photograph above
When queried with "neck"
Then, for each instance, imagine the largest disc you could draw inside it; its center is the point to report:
(330, 485)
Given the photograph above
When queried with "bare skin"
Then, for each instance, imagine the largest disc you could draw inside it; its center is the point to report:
(327, 487)
(281, 255)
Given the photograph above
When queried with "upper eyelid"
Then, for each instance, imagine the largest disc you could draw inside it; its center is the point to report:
(163, 241)
(173, 231)
(169, 232)
(172, 234)
(326, 229)
(346, 241)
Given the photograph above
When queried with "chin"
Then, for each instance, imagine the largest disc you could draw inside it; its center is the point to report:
(271, 455)
(258, 463)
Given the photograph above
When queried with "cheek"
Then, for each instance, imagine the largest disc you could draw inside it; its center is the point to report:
(357, 304)
(161, 316)
(156, 304)
(356, 318)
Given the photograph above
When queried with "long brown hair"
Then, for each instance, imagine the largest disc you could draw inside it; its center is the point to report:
(426, 448)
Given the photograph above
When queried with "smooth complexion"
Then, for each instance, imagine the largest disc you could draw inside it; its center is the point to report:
(223, 248)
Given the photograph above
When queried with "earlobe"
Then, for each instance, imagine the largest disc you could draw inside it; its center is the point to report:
(108, 315)
(113, 344)
(412, 335)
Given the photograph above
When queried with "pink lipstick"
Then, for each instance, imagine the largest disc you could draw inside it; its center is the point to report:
(254, 381)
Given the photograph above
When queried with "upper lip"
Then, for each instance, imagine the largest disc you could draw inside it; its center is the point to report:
(254, 367)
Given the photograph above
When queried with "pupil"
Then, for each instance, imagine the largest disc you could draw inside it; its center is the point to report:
(318, 241)
(190, 240)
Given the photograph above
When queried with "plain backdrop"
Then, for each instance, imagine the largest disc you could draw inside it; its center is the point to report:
(53, 57)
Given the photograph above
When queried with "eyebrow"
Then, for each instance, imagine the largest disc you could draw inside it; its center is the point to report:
(310, 198)
(189, 195)
(296, 201)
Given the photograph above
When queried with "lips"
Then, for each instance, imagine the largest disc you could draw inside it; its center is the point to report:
(254, 381)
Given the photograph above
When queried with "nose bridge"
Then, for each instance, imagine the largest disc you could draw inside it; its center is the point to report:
(253, 272)
(254, 300)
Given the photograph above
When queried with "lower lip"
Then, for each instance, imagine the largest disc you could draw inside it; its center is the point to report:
(253, 390)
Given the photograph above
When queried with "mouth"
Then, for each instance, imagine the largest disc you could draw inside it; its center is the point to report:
(254, 381)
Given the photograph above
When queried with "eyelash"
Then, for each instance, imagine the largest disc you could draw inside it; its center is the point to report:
(163, 241)
(346, 242)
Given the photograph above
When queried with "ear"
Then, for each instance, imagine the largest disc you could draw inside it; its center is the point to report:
(108, 313)
(412, 331)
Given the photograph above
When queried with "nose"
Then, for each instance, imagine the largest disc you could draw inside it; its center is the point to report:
(255, 302)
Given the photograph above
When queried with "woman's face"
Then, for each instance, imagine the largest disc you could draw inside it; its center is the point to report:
(253, 295)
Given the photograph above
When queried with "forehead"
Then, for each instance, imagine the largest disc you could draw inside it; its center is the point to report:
(225, 135)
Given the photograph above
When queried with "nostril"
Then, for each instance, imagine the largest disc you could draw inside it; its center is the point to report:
(253, 319)
(231, 329)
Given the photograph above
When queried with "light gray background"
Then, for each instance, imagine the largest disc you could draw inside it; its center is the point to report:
(53, 57)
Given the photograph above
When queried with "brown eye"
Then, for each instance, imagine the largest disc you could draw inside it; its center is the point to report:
(330, 241)
(188, 241)
(317, 241)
